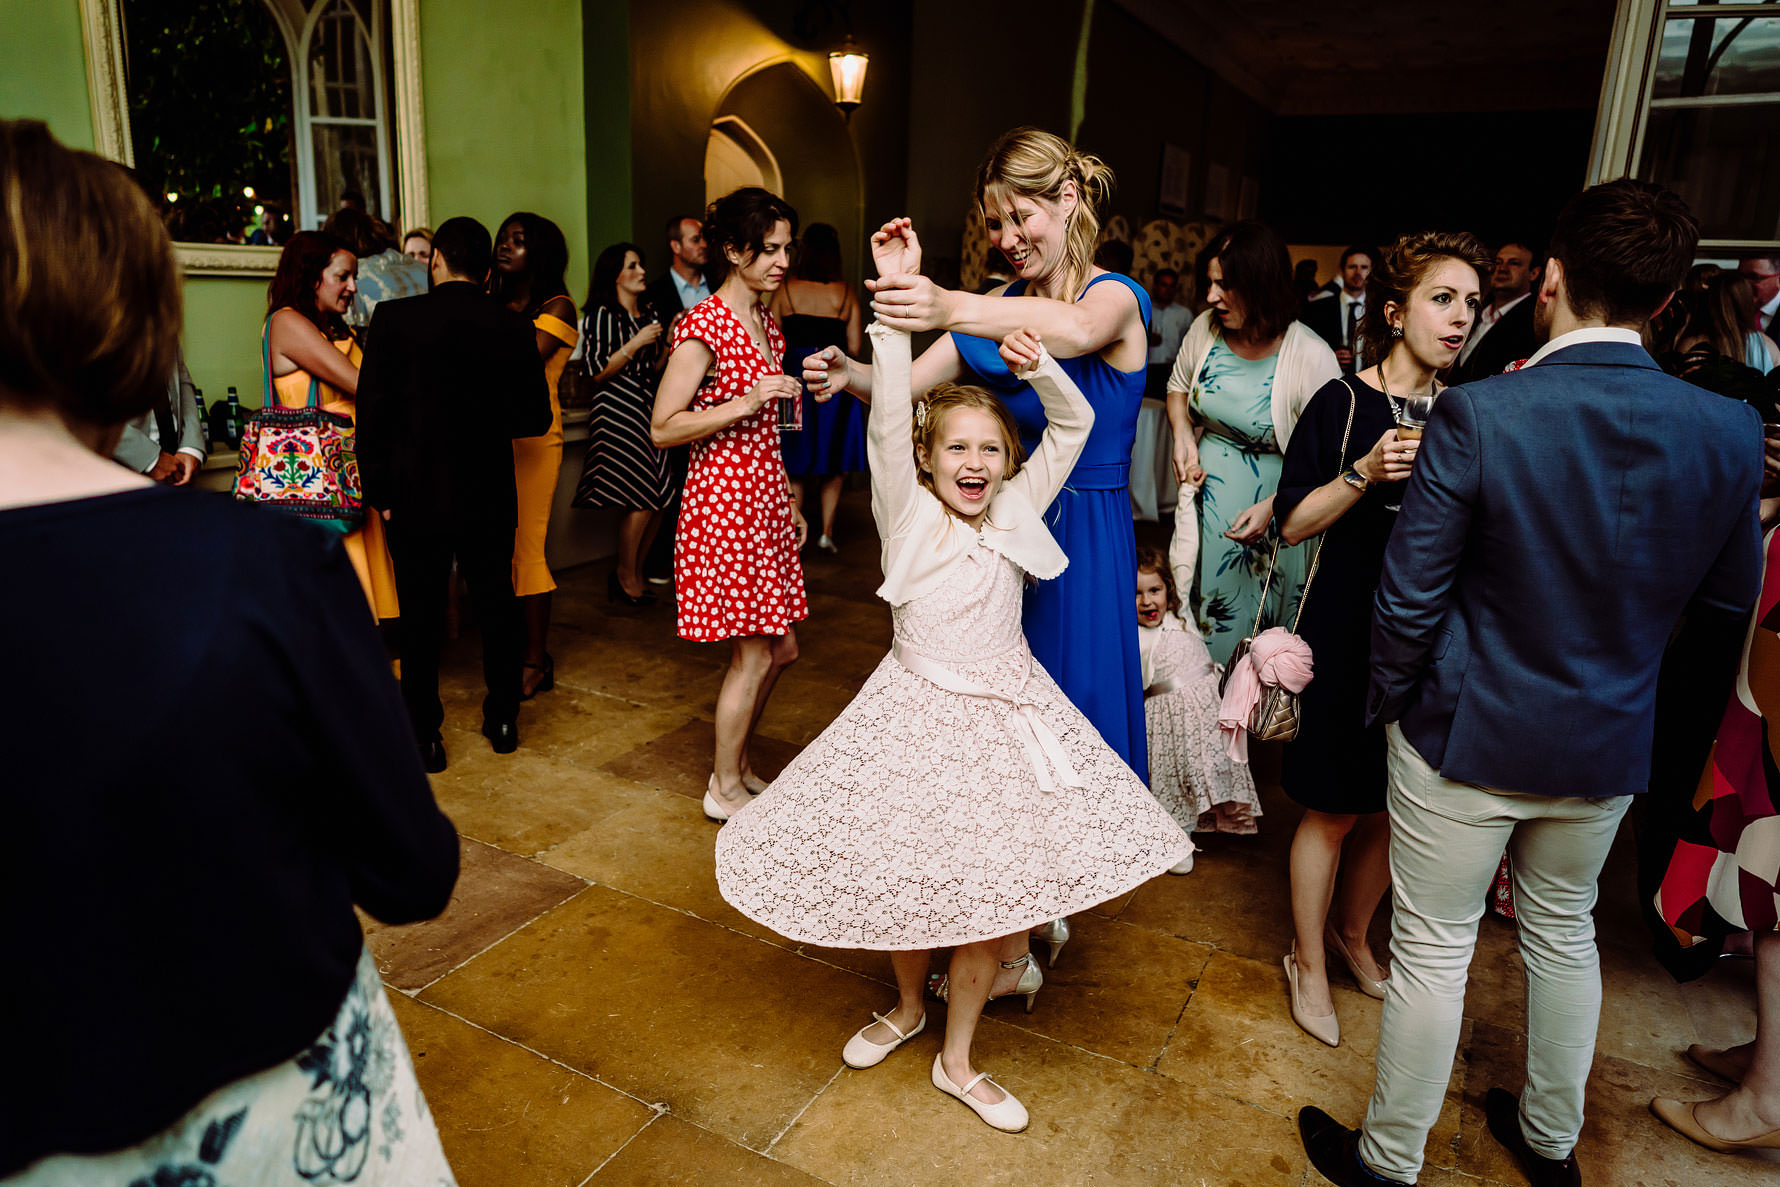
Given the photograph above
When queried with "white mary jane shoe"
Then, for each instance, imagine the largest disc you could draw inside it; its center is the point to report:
(861, 1052)
(1007, 1114)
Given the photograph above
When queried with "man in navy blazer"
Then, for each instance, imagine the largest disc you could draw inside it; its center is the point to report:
(1559, 520)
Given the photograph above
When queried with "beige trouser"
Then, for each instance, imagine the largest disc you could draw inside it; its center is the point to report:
(1447, 840)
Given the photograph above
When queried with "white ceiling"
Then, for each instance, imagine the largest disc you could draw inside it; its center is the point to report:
(1342, 57)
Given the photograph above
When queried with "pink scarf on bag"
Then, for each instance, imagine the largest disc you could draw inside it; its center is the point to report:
(1276, 657)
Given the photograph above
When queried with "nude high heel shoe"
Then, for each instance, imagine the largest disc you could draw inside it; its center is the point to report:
(1368, 985)
(1325, 1029)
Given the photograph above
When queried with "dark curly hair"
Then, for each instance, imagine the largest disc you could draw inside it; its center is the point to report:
(546, 261)
(742, 219)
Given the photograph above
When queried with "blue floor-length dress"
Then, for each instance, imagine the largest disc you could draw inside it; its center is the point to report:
(1083, 626)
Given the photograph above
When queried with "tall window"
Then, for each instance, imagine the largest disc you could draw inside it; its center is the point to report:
(1693, 102)
(255, 117)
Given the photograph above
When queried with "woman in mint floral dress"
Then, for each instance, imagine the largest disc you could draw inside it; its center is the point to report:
(1245, 371)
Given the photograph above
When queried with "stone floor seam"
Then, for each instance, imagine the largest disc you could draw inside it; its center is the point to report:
(508, 935)
(659, 1113)
(789, 1125)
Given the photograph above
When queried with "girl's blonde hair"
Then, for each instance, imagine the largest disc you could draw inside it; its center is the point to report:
(1032, 163)
(931, 411)
(1153, 560)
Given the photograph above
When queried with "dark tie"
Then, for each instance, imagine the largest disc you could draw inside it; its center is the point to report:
(1353, 333)
(163, 411)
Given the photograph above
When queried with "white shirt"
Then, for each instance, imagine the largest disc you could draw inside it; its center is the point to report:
(1488, 316)
(1579, 337)
(1768, 310)
(690, 294)
(1170, 322)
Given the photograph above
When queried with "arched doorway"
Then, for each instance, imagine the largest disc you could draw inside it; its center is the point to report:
(778, 129)
(736, 156)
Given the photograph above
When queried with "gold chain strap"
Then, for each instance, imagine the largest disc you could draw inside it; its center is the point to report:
(1317, 560)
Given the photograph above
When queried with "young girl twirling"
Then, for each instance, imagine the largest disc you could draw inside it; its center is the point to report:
(960, 799)
(1191, 772)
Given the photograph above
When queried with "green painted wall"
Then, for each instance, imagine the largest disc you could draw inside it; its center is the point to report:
(505, 115)
(605, 50)
(43, 68)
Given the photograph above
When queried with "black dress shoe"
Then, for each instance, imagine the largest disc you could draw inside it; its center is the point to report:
(504, 735)
(432, 756)
(1501, 1112)
(1334, 1150)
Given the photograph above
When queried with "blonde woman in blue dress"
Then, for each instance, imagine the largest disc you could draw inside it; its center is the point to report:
(960, 800)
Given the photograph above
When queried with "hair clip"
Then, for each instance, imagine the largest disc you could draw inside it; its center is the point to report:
(921, 414)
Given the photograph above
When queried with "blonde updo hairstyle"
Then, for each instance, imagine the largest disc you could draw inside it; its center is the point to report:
(932, 409)
(1035, 164)
(1406, 263)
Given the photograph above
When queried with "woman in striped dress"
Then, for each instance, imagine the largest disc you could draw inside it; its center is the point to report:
(623, 467)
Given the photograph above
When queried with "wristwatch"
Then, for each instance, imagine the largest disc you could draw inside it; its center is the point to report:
(1355, 479)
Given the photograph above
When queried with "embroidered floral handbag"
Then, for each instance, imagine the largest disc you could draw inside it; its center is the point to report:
(300, 460)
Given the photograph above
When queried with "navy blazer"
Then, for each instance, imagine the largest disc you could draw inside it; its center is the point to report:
(1558, 521)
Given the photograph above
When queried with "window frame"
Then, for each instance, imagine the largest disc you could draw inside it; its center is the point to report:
(101, 28)
(1622, 119)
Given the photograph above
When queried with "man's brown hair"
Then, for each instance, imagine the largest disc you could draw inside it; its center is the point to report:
(89, 292)
(1625, 246)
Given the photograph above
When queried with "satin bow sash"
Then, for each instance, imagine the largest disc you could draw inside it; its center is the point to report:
(1049, 760)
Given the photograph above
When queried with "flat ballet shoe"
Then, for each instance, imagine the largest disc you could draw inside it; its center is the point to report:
(1007, 1114)
(861, 1052)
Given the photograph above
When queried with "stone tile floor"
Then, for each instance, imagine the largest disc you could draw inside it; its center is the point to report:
(589, 1009)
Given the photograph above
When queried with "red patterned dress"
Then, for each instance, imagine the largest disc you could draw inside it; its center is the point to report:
(1724, 875)
(736, 570)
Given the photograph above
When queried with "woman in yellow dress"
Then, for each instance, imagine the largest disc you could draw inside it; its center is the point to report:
(308, 341)
(530, 260)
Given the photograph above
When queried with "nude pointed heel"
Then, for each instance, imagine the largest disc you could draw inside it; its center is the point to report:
(1325, 1029)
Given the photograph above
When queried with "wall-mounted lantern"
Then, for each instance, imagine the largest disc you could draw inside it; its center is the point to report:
(847, 64)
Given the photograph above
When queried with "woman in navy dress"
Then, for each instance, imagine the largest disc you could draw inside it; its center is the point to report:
(1039, 195)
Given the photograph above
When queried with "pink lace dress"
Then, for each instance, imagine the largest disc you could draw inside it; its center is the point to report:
(1191, 773)
(960, 796)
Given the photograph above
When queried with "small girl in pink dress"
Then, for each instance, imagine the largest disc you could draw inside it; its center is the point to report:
(1191, 773)
(960, 800)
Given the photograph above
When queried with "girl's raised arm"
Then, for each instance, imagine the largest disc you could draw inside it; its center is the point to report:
(889, 443)
(1068, 414)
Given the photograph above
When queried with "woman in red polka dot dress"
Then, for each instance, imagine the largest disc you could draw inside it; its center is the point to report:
(736, 572)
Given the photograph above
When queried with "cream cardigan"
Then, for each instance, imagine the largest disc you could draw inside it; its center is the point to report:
(1305, 364)
(922, 540)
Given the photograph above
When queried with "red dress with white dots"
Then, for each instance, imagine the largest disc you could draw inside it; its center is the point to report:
(736, 570)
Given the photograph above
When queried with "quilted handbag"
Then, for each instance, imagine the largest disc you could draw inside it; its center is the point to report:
(1275, 716)
(301, 461)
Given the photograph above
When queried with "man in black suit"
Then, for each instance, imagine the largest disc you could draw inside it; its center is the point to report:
(450, 378)
(1503, 331)
(1337, 318)
(681, 287)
